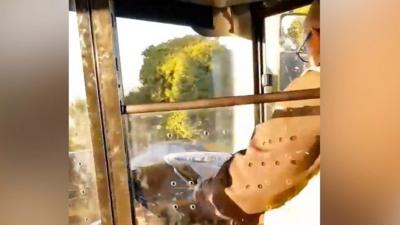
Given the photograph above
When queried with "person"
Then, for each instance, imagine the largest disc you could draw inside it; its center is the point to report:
(283, 154)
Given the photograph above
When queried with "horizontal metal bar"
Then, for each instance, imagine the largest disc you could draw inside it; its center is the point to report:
(224, 101)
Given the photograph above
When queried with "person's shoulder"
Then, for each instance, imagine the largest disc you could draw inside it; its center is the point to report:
(308, 80)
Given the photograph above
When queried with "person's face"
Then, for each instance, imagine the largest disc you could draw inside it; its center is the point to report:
(314, 46)
(309, 51)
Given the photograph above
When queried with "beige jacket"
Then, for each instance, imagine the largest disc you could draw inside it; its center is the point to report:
(282, 156)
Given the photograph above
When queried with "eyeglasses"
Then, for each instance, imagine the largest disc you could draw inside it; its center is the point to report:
(302, 51)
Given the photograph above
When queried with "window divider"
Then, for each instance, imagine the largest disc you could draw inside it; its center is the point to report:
(224, 101)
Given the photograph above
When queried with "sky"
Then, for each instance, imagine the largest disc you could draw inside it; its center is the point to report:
(132, 32)
(75, 69)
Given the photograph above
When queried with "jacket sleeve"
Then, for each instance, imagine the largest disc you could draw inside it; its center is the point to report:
(281, 158)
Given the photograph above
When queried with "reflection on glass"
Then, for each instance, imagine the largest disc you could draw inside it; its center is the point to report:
(83, 206)
(172, 153)
(292, 32)
(171, 63)
(164, 191)
(291, 38)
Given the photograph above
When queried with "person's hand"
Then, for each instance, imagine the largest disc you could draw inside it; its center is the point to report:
(213, 199)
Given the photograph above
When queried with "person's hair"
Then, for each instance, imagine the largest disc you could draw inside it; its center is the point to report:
(312, 20)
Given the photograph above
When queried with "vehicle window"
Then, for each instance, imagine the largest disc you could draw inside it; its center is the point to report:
(83, 206)
(171, 152)
(284, 35)
(169, 63)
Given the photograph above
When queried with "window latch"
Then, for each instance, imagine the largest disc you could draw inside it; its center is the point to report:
(266, 82)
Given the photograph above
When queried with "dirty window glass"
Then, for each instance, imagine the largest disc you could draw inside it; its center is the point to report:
(284, 35)
(163, 62)
(83, 206)
(171, 153)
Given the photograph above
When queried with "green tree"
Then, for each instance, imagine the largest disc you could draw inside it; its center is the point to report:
(178, 70)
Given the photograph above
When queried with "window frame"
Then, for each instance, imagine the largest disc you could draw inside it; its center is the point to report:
(106, 107)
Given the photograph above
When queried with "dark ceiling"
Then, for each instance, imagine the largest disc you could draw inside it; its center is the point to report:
(198, 13)
(220, 3)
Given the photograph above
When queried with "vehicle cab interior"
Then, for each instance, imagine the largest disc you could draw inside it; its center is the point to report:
(162, 92)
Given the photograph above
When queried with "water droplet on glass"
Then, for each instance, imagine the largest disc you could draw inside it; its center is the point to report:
(169, 135)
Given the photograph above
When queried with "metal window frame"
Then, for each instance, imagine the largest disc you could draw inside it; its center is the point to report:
(99, 49)
(106, 108)
(258, 38)
(224, 101)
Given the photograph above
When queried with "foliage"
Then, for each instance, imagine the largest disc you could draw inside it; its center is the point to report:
(177, 70)
(177, 123)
